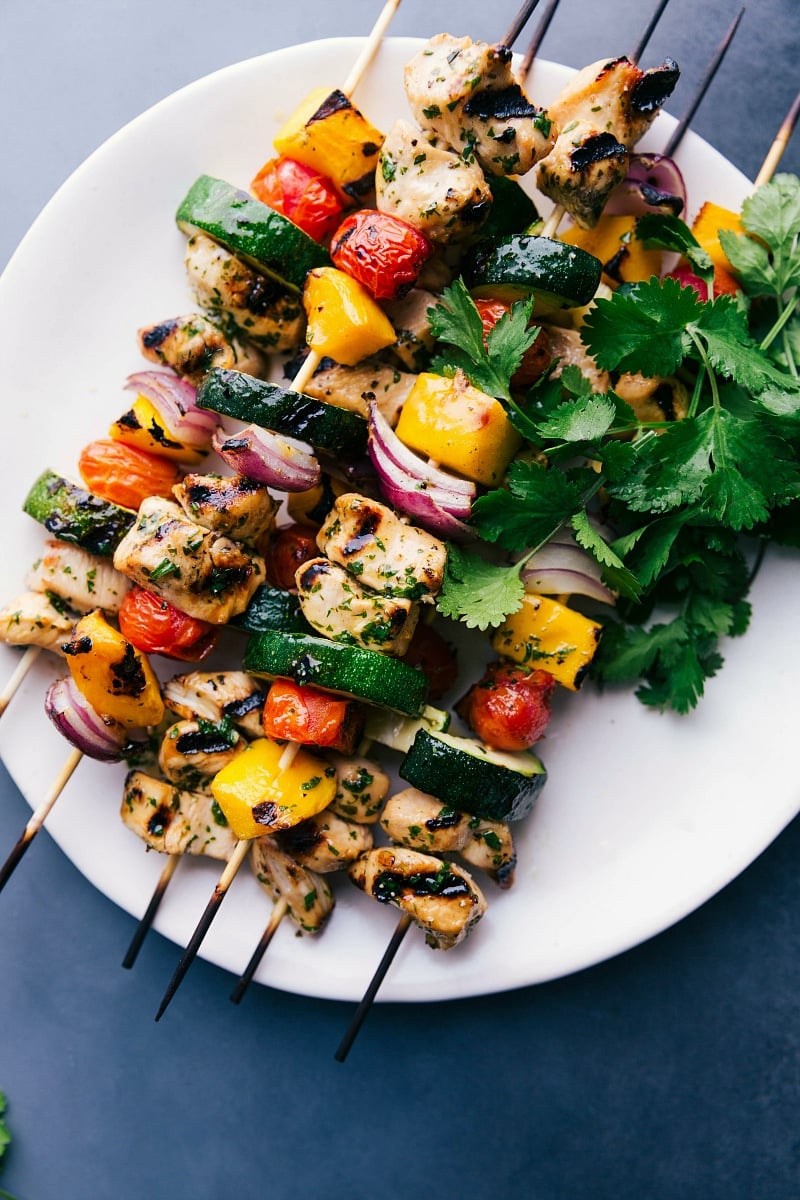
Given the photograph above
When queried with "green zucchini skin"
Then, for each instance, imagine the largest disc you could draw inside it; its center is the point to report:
(272, 608)
(558, 274)
(326, 427)
(349, 670)
(470, 783)
(74, 515)
(512, 209)
(266, 239)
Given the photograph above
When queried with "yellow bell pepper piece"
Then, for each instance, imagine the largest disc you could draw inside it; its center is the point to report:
(143, 426)
(706, 227)
(551, 637)
(459, 426)
(113, 675)
(623, 256)
(327, 133)
(344, 322)
(257, 797)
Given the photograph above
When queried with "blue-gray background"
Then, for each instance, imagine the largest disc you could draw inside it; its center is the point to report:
(670, 1072)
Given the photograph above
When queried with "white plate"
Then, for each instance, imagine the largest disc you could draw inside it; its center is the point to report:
(644, 816)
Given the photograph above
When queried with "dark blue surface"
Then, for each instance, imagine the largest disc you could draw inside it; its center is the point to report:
(669, 1073)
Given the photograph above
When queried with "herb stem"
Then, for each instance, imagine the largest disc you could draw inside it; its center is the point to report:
(782, 320)
(712, 379)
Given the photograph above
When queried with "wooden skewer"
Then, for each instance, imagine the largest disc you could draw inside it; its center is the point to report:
(775, 152)
(401, 929)
(538, 38)
(21, 670)
(240, 852)
(518, 24)
(648, 32)
(227, 877)
(276, 916)
(705, 83)
(359, 68)
(39, 816)
(142, 929)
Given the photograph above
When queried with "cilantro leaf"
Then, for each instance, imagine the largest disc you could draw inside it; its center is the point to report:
(490, 364)
(5, 1136)
(732, 352)
(537, 502)
(615, 574)
(477, 592)
(585, 419)
(751, 262)
(661, 231)
(772, 214)
(643, 330)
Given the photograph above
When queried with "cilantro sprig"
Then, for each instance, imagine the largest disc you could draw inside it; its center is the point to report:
(678, 493)
(5, 1141)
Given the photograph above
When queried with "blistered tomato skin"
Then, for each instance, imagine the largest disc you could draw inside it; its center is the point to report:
(535, 360)
(125, 475)
(509, 708)
(382, 252)
(301, 194)
(284, 551)
(435, 657)
(157, 627)
(300, 713)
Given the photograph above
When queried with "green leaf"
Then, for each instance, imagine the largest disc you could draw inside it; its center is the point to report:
(537, 502)
(732, 352)
(664, 232)
(751, 262)
(772, 213)
(582, 420)
(644, 329)
(615, 574)
(477, 592)
(5, 1136)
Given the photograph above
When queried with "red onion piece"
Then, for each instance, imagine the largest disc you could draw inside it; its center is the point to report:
(175, 400)
(423, 509)
(83, 727)
(411, 463)
(268, 458)
(654, 184)
(562, 567)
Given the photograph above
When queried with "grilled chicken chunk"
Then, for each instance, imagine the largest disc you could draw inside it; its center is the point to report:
(355, 388)
(414, 819)
(409, 317)
(83, 579)
(338, 607)
(193, 751)
(567, 350)
(601, 114)
(467, 93)
(361, 788)
(653, 398)
(428, 184)
(308, 897)
(193, 344)
(261, 310)
(325, 842)
(214, 695)
(233, 505)
(373, 543)
(201, 572)
(174, 821)
(441, 898)
(33, 620)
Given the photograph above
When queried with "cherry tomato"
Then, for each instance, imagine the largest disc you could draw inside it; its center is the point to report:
(382, 252)
(301, 194)
(125, 475)
(435, 657)
(299, 713)
(509, 708)
(536, 358)
(156, 627)
(284, 551)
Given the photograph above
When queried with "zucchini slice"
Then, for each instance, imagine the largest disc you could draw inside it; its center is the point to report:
(471, 777)
(264, 238)
(326, 427)
(398, 732)
(272, 608)
(512, 209)
(560, 275)
(349, 670)
(74, 515)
